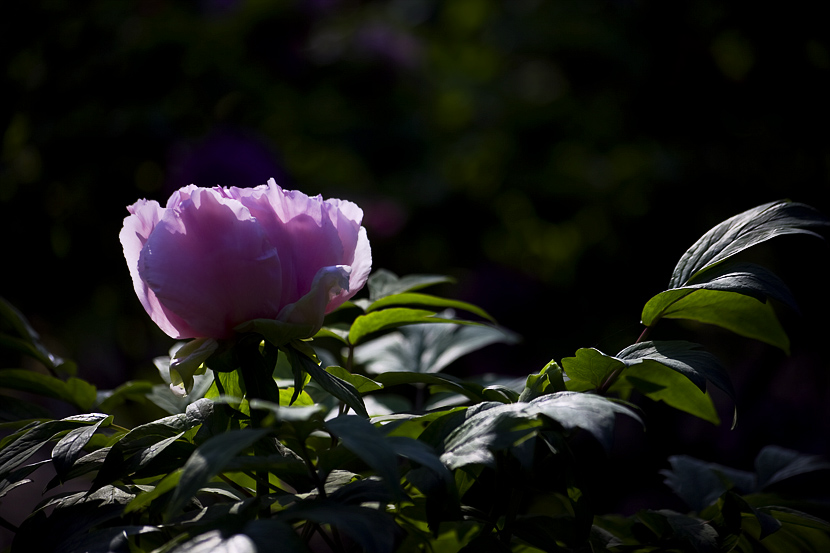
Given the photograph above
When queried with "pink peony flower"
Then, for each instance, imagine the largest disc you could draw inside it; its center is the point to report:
(215, 258)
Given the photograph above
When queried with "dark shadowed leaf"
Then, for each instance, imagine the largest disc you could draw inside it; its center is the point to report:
(339, 388)
(367, 442)
(699, 484)
(687, 358)
(134, 390)
(17, 334)
(374, 531)
(73, 390)
(692, 534)
(774, 464)
(207, 461)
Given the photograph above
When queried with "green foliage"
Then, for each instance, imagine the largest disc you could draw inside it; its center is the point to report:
(286, 442)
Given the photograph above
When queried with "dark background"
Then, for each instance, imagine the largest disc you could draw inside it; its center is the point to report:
(555, 157)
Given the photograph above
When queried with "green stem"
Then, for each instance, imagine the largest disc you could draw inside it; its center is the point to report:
(615, 374)
(259, 384)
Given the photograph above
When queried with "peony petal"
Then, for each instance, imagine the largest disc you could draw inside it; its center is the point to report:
(137, 229)
(310, 309)
(209, 262)
(301, 228)
(360, 269)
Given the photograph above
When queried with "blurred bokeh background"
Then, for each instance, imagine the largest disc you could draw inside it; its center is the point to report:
(555, 157)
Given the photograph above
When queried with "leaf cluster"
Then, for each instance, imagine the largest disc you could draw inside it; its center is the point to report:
(361, 439)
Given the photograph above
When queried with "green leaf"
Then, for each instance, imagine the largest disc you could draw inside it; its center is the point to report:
(70, 448)
(17, 477)
(687, 531)
(699, 484)
(421, 453)
(13, 409)
(435, 302)
(339, 388)
(687, 358)
(394, 317)
(383, 283)
(469, 389)
(738, 313)
(368, 443)
(547, 381)
(592, 413)
(426, 348)
(743, 231)
(216, 541)
(372, 530)
(166, 484)
(659, 383)
(296, 413)
(488, 428)
(590, 368)
(361, 383)
(74, 390)
(16, 333)
(20, 448)
(207, 461)
(135, 449)
(748, 279)
(134, 390)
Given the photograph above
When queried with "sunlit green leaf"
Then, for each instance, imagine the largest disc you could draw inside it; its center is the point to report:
(547, 381)
(361, 383)
(590, 368)
(166, 484)
(426, 300)
(394, 317)
(738, 313)
(660, 383)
